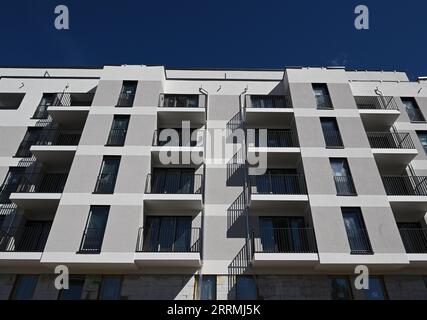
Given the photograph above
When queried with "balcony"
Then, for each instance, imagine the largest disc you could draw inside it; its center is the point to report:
(377, 112)
(39, 191)
(175, 108)
(268, 111)
(70, 110)
(406, 193)
(344, 186)
(393, 151)
(178, 191)
(275, 191)
(23, 244)
(92, 241)
(284, 247)
(56, 147)
(415, 242)
(168, 249)
(168, 143)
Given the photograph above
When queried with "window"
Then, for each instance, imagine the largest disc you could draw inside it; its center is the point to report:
(206, 287)
(10, 101)
(174, 181)
(376, 289)
(95, 229)
(422, 135)
(331, 133)
(246, 288)
(10, 184)
(342, 177)
(169, 234)
(341, 289)
(284, 235)
(110, 288)
(412, 109)
(321, 94)
(31, 137)
(127, 94)
(356, 231)
(46, 101)
(107, 175)
(24, 287)
(118, 130)
(75, 289)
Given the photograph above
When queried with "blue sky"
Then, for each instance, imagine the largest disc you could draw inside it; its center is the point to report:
(230, 34)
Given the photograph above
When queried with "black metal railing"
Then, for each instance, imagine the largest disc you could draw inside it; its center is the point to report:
(293, 184)
(359, 241)
(92, 240)
(25, 145)
(266, 101)
(414, 239)
(277, 139)
(59, 137)
(376, 103)
(405, 185)
(41, 112)
(180, 101)
(186, 240)
(65, 99)
(126, 100)
(42, 183)
(344, 186)
(285, 240)
(105, 183)
(116, 137)
(174, 184)
(333, 139)
(390, 140)
(24, 239)
(176, 139)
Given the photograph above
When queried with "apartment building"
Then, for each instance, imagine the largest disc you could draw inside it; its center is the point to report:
(340, 182)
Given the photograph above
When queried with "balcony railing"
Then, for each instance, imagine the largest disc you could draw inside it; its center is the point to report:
(175, 141)
(376, 103)
(278, 139)
(179, 101)
(105, 183)
(292, 184)
(92, 240)
(390, 140)
(174, 184)
(73, 99)
(126, 100)
(405, 185)
(344, 186)
(285, 240)
(414, 240)
(359, 241)
(42, 183)
(59, 137)
(116, 137)
(24, 239)
(333, 139)
(266, 101)
(186, 240)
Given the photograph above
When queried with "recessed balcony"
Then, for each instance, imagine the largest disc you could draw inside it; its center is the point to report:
(377, 112)
(70, 110)
(173, 109)
(180, 191)
(268, 111)
(178, 249)
(393, 151)
(276, 191)
(415, 242)
(277, 247)
(406, 193)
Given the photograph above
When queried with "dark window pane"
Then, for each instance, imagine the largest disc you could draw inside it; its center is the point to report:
(246, 288)
(95, 228)
(127, 94)
(356, 232)
(321, 94)
(107, 175)
(118, 131)
(341, 289)
(331, 132)
(208, 288)
(422, 135)
(110, 288)
(24, 287)
(74, 291)
(376, 289)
